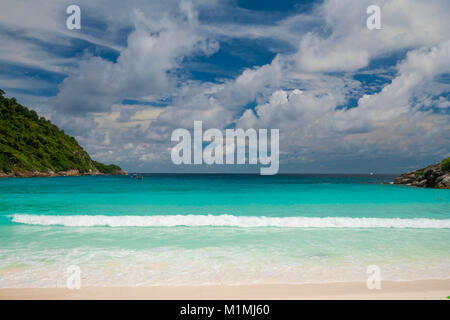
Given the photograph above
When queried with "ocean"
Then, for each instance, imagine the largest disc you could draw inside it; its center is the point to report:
(220, 229)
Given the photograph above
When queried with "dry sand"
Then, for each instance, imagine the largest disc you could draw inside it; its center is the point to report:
(423, 289)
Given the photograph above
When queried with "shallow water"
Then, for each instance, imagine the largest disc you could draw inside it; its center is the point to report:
(219, 229)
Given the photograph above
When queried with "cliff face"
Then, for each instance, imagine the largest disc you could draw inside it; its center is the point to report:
(434, 176)
(31, 146)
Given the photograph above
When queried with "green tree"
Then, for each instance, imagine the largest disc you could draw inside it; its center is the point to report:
(30, 142)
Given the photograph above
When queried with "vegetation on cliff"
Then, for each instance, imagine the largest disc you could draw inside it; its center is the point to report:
(31, 143)
(445, 164)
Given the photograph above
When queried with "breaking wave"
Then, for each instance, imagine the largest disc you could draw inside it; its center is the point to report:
(229, 221)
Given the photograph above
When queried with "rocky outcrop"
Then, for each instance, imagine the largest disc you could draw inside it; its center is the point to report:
(18, 173)
(434, 176)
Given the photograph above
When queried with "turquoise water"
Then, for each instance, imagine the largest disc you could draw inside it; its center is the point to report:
(219, 229)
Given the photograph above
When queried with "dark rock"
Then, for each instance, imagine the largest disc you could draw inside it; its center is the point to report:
(430, 178)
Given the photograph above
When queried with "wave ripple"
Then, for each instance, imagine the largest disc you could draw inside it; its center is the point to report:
(229, 220)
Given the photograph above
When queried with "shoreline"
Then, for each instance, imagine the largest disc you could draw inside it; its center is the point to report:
(57, 174)
(390, 290)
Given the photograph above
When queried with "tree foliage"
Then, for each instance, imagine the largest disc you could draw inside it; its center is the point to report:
(30, 142)
(445, 164)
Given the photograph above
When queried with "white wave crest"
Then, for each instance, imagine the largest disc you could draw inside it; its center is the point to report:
(229, 220)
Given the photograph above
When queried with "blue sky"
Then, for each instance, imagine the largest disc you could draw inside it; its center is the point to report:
(345, 98)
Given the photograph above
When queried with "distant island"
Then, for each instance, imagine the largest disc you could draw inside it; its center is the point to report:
(433, 176)
(31, 146)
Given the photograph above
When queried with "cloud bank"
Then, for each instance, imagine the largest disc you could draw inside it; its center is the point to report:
(345, 98)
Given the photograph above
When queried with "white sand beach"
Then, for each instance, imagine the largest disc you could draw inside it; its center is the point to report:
(390, 290)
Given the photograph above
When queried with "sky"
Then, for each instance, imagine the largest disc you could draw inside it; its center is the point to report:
(345, 99)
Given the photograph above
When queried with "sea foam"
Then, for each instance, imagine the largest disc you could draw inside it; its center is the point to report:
(228, 221)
